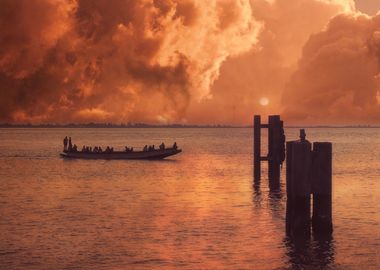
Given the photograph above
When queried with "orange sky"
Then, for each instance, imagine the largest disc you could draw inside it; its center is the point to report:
(190, 61)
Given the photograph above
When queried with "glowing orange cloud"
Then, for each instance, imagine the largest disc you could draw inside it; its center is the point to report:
(189, 61)
(131, 60)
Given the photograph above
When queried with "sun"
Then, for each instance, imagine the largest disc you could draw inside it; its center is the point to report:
(264, 101)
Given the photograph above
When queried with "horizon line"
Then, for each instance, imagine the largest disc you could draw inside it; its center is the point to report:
(174, 125)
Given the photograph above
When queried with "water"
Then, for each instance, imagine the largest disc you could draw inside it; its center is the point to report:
(196, 210)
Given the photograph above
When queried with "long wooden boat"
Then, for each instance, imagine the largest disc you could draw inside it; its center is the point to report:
(153, 154)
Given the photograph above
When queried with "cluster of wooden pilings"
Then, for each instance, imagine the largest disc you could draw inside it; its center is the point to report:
(308, 179)
(276, 147)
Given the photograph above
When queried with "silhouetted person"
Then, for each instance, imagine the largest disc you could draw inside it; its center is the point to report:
(303, 135)
(65, 141)
(84, 148)
(70, 145)
(75, 148)
(162, 146)
(175, 146)
(145, 148)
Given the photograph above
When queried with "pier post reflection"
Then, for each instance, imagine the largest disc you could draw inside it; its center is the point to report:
(275, 195)
(305, 253)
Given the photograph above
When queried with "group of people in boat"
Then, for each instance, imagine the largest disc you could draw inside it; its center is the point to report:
(96, 149)
(68, 146)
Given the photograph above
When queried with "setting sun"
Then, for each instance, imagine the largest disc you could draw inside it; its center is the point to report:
(264, 101)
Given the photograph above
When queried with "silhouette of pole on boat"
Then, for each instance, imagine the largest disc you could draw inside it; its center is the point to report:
(308, 174)
(276, 148)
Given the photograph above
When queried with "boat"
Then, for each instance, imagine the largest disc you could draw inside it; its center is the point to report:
(151, 154)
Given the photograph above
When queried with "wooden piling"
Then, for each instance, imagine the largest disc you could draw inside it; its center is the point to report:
(322, 188)
(274, 133)
(257, 147)
(300, 188)
(289, 205)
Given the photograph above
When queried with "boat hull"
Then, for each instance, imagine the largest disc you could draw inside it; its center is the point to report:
(154, 154)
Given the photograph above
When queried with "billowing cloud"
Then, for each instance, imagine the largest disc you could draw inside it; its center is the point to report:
(338, 76)
(194, 61)
(84, 60)
(265, 70)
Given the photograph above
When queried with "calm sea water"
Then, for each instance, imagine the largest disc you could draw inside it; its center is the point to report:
(196, 210)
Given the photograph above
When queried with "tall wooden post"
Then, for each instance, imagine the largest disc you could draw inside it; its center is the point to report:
(289, 201)
(299, 188)
(274, 133)
(257, 147)
(322, 187)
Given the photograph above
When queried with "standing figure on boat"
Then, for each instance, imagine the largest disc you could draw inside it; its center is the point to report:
(145, 148)
(175, 146)
(162, 146)
(70, 145)
(65, 141)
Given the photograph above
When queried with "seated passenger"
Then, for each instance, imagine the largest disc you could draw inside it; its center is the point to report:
(145, 148)
(75, 148)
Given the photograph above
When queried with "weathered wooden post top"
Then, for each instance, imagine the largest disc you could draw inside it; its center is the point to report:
(276, 146)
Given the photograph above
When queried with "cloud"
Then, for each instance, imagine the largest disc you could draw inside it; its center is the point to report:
(144, 60)
(189, 61)
(338, 76)
(265, 70)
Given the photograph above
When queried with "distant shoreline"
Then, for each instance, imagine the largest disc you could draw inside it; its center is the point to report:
(142, 125)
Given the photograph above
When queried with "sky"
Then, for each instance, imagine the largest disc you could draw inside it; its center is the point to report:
(190, 61)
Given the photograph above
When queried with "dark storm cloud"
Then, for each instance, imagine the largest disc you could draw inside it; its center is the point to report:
(114, 60)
